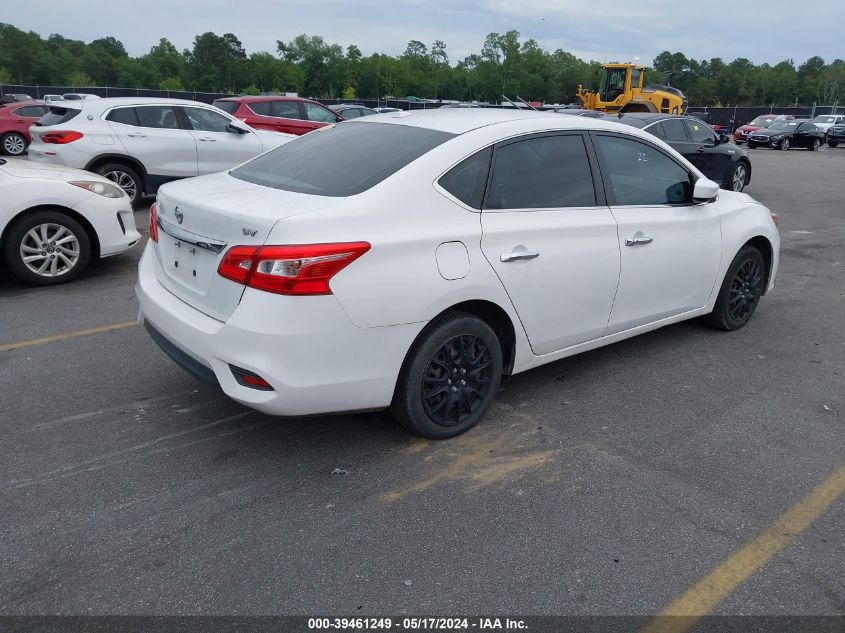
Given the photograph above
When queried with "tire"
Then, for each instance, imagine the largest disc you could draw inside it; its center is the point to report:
(815, 145)
(62, 263)
(740, 292)
(784, 145)
(750, 146)
(13, 144)
(124, 177)
(737, 176)
(832, 143)
(426, 401)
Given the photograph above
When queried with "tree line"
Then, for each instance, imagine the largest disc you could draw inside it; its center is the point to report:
(311, 66)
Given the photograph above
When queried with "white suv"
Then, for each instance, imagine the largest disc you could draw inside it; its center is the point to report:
(141, 143)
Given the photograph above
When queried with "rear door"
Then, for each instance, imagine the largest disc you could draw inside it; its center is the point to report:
(671, 248)
(551, 239)
(152, 135)
(217, 148)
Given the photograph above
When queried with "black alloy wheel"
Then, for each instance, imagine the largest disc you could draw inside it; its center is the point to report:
(457, 379)
(741, 290)
(449, 378)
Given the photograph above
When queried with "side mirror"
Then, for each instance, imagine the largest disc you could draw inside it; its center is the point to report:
(705, 190)
(236, 127)
(724, 138)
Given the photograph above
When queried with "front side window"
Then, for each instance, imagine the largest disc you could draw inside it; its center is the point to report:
(202, 120)
(542, 173)
(285, 110)
(642, 175)
(160, 117)
(467, 179)
(313, 112)
(700, 133)
(342, 160)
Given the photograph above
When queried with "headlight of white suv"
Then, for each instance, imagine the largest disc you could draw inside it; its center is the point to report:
(102, 188)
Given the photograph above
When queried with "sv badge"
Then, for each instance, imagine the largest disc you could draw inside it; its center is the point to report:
(249, 232)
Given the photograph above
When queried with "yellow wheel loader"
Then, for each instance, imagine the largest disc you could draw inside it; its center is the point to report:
(622, 90)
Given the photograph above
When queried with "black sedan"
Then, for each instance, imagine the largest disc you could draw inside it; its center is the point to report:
(836, 135)
(716, 157)
(785, 135)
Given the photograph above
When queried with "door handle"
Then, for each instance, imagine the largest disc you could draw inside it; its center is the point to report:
(701, 150)
(207, 139)
(638, 241)
(137, 135)
(517, 255)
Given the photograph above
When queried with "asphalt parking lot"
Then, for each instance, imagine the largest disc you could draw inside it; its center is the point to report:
(607, 483)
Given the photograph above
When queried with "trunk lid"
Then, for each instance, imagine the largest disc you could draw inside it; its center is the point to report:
(201, 218)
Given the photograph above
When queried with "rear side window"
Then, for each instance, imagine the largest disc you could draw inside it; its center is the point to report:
(31, 112)
(126, 116)
(642, 175)
(226, 106)
(467, 179)
(674, 130)
(343, 160)
(163, 117)
(542, 173)
(260, 107)
(57, 116)
(657, 130)
(285, 109)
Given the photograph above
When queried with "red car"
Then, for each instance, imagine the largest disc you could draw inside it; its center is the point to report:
(764, 120)
(279, 114)
(15, 119)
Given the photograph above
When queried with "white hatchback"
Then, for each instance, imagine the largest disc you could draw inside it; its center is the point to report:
(55, 220)
(141, 143)
(409, 260)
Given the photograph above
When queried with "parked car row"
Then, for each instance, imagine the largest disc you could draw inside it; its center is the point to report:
(784, 131)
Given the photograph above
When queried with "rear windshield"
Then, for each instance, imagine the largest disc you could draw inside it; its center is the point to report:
(57, 116)
(226, 106)
(341, 160)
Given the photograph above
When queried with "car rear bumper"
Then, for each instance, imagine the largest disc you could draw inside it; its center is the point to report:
(306, 348)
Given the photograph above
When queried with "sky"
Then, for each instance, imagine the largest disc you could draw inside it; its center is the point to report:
(764, 32)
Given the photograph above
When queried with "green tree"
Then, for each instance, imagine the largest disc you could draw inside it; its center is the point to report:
(5, 77)
(171, 83)
(80, 79)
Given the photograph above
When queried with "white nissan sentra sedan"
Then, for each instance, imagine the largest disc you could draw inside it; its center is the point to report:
(409, 260)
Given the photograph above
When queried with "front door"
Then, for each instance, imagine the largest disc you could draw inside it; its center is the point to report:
(551, 240)
(218, 148)
(671, 248)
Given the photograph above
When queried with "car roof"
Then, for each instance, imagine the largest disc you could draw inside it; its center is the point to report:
(462, 120)
(30, 102)
(256, 98)
(110, 102)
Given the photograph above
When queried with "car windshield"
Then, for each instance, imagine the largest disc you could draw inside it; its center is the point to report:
(341, 160)
(226, 106)
(761, 121)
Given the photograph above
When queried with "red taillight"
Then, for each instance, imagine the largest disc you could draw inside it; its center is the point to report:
(289, 270)
(60, 137)
(154, 222)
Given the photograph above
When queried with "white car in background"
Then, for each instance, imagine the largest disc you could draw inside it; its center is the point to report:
(53, 98)
(79, 96)
(409, 260)
(141, 143)
(55, 220)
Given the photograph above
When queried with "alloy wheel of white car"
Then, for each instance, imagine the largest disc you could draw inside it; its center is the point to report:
(50, 249)
(14, 144)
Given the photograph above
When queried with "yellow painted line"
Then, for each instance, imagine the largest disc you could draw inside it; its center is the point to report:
(707, 593)
(6, 347)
